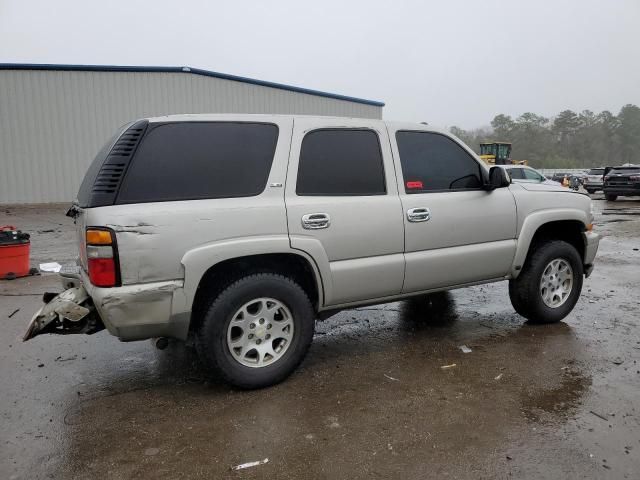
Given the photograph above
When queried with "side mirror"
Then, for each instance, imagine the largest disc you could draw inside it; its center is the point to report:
(498, 178)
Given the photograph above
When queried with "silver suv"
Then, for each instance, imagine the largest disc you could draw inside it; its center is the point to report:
(241, 230)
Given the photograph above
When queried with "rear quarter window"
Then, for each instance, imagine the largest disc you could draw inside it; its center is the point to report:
(199, 160)
(84, 197)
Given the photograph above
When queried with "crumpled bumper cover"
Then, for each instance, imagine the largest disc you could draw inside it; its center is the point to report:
(69, 312)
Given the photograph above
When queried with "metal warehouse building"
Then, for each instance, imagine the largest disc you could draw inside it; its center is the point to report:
(54, 118)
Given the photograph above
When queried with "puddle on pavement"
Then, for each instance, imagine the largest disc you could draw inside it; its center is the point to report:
(371, 399)
(371, 396)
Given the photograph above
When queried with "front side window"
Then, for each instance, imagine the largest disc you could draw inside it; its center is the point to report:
(197, 160)
(340, 162)
(434, 162)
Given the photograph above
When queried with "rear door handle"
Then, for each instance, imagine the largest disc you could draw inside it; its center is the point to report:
(419, 214)
(315, 221)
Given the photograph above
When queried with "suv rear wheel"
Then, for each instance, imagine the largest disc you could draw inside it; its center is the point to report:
(257, 331)
(550, 283)
(611, 198)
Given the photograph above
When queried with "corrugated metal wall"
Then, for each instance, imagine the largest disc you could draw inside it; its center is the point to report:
(52, 123)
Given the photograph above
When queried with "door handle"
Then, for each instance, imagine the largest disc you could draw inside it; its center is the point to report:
(419, 214)
(315, 221)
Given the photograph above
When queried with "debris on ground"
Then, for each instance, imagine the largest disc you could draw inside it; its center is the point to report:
(448, 366)
(242, 466)
(618, 361)
(66, 359)
(151, 451)
(14, 312)
(465, 349)
(499, 377)
(50, 267)
(391, 378)
(599, 415)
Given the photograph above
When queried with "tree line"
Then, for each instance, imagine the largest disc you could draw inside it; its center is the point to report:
(568, 140)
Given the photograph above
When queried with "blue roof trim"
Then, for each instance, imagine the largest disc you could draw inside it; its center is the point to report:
(195, 71)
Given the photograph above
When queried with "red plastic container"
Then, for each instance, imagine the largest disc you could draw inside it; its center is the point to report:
(14, 253)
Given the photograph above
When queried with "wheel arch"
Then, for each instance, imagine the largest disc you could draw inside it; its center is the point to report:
(566, 224)
(208, 271)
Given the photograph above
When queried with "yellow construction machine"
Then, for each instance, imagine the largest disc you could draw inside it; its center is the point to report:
(498, 153)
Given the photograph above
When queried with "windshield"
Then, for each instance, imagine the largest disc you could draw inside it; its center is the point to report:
(531, 174)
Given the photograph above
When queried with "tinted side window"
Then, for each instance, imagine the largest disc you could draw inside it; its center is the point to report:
(516, 173)
(341, 162)
(431, 161)
(195, 160)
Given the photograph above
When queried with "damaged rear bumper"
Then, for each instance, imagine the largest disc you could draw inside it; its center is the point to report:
(130, 312)
(141, 311)
(70, 312)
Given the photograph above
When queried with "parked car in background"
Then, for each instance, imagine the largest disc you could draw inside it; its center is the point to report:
(594, 180)
(559, 176)
(524, 174)
(621, 181)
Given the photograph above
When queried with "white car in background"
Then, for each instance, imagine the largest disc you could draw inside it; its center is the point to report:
(524, 174)
(594, 180)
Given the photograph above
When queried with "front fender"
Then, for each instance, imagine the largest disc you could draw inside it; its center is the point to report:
(533, 222)
(200, 259)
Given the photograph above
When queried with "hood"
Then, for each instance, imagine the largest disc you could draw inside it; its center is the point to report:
(551, 182)
(544, 187)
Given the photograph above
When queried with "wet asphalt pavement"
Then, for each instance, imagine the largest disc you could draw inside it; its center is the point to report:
(372, 399)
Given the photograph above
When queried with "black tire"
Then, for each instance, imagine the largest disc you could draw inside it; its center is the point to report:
(211, 336)
(590, 192)
(524, 291)
(610, 198)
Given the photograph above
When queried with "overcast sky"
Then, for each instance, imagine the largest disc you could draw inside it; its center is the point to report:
(446, 62)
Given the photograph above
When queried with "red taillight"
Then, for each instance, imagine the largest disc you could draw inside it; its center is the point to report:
(635, 178)
(102, 272)
(102, 263)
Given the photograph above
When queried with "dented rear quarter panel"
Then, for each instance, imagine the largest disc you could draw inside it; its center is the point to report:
(154, 237)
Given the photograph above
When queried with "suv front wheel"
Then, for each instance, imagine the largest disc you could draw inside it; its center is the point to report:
(257, 331)
(550, 283)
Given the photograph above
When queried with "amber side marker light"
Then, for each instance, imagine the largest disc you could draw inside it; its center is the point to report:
(99, 237)
(101, 258)
(589, 227)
